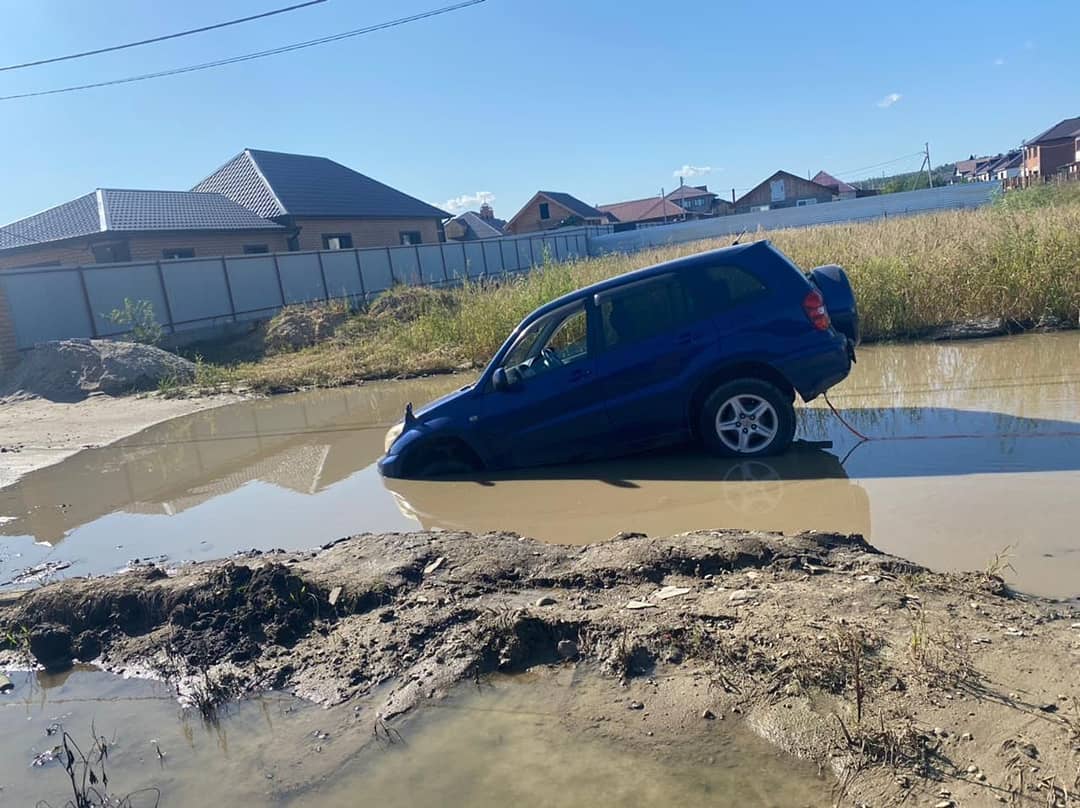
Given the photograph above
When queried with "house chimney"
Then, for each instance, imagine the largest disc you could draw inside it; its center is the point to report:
(486, 213)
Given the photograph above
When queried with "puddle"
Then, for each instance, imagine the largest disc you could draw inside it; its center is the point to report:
(983, 452)
(467, 750)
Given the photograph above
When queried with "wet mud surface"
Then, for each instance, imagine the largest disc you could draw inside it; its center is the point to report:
(897, 681)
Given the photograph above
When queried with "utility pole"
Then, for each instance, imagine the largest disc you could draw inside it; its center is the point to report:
(663, 207)
(929, 174)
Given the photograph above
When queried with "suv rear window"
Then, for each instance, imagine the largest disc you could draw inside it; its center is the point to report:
(716, 289)
(641, 311)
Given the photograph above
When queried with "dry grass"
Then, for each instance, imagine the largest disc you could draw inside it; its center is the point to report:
(1018, 259)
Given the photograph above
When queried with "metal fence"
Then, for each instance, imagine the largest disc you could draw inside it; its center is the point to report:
(968, 195)
(195, 294)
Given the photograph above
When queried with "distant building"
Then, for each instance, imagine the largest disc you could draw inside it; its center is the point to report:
(967, 170)
(548, 210)
(1052, 151)
(841, 189)
(472, 226)
(651, 210)
(699, 201)
(783, 190)
(1003, 167)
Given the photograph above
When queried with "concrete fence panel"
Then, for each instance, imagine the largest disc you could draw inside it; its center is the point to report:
(456, 261)
(341, 268)
(198, 293)
(108, 286)
(475, 258)
(46, 305)
(406, 265)
(432, 270)
(378, 274)
(255, 287)
(301, 277)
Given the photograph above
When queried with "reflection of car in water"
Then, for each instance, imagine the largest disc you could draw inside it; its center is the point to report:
(713, 348)
(658, 494)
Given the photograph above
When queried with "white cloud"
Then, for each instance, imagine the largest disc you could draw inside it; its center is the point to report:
(460, 204)
(889, 100)
(1028, 44)
(999, 61)
(688, 171)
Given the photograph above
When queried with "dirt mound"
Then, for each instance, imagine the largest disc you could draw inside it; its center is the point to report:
(409, 303)
(297, 327)
(897, 679)
(72, 369)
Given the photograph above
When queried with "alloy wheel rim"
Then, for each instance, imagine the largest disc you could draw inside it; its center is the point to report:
(747, 423)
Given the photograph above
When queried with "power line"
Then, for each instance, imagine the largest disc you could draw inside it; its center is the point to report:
(177, 35)
(249, 56)
(885, 163)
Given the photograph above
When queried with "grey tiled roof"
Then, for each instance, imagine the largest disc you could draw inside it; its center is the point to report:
(111, 209)
(79, 217)
(1070, 127)
(479, 227)
(574, 204)
(279, 184)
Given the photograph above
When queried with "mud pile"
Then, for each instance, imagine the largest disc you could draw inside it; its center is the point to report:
(897, 679)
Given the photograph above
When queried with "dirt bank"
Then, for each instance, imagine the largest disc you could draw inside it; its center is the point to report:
(905, 683)
(35, 432)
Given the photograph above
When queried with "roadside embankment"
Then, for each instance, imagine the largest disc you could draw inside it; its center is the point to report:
(906, 684)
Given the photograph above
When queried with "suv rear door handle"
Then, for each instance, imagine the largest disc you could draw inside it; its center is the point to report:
(579, 375)
(686, 339)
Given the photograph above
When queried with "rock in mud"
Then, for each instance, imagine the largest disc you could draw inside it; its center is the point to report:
(51, 646)
(567, 649)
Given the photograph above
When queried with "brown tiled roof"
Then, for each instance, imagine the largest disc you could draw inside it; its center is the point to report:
(637, 210)
(829, 181)
(1070, 127)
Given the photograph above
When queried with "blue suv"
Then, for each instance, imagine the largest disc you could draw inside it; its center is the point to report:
(712, 347)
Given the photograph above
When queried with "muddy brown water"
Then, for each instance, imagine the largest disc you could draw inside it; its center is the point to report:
(977, 449)
(470, 749)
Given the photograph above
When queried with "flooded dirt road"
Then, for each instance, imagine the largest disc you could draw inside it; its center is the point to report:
(467, 750)
(977, 448)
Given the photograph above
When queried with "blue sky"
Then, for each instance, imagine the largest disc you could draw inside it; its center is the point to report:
(604, 99)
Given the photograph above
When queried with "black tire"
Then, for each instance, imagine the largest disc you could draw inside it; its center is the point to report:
(732, 403)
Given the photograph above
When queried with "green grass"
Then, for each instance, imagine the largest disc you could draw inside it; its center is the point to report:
(1018, 258)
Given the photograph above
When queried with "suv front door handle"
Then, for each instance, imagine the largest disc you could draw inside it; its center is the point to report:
(580, 375)
(686, 339)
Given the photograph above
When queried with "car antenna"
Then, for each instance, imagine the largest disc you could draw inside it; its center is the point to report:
(738, 238)
(409, 417)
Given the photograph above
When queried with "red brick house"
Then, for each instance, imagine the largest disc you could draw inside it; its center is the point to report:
(548, 210)
(1051, 152)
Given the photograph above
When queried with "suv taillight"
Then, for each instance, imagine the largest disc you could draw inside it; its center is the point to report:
(814, 306)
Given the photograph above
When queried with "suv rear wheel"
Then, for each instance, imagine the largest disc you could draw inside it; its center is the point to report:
(747, 418)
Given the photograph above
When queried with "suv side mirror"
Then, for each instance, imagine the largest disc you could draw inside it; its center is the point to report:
(499, 381)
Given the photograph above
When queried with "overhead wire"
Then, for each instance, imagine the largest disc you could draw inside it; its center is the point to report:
(250, 56)
(163, 38)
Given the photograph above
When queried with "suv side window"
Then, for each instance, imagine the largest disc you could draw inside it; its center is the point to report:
(717, 289)
(641, 311)
(558, 339)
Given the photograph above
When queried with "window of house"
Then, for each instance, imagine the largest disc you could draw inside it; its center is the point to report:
(178, 252)
(255, 249)
(410, 237)
(337, 241)
(641, 311)
(758, 208)
(802, 203)
(545, 211)
(716, 289)
(110, 252)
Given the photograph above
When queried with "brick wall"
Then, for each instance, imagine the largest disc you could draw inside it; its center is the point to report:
(529, 221)
(365, 232)
(9, 353)
(146, 246)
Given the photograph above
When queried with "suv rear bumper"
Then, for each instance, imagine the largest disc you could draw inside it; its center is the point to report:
(814, 372)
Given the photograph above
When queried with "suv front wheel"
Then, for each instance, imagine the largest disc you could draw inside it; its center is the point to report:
(747, 418)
